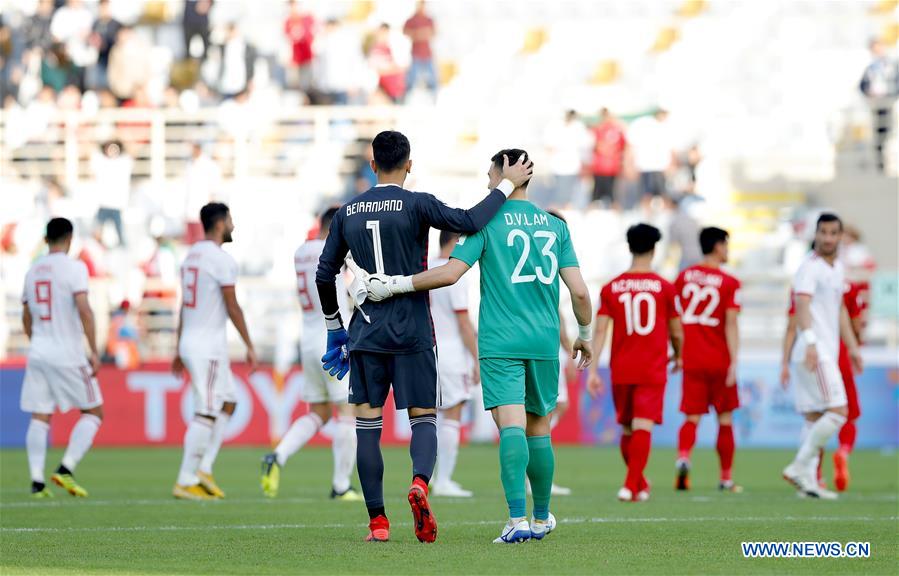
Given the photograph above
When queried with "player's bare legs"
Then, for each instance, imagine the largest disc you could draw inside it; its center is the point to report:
(540, 470)
(204, 473)
(636, 487)
(841, 456)
(686, 439)
(726, 448)
(196, 440)
(370, 466)
(80, 441)
(423, 450)
(448, 437)
(36, 446)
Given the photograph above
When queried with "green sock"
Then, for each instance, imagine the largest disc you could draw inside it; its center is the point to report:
(513, 464)
(541, 465)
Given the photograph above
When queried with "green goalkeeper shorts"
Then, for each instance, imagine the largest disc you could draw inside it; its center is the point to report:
(534, 383)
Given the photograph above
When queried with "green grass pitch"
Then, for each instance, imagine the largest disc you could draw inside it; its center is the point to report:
(131, 525)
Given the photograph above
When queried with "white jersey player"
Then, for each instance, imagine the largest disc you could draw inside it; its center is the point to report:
(457, 369)
(321, 391)
(822, 319)
(59, 375)
(208, 275)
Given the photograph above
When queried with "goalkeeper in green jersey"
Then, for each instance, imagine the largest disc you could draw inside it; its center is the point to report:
(523, 251)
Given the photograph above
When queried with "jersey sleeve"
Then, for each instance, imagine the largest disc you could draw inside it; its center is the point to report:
(678, 290)
(470, 248)
(438, 215)
(225, 271)
(79, 278)
(567, 257)
(670, 300)
(805, 280)
(459, 295)
(733, 297)
(604, 308)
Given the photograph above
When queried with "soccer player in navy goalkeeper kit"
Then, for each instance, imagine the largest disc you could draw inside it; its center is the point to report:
(391, 343)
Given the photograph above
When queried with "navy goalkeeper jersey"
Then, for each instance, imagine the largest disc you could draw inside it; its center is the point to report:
(386, 229)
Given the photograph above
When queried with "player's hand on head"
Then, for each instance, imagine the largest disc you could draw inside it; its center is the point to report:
(177, 365)
(586, 352)
(594, 384)
(518, 173)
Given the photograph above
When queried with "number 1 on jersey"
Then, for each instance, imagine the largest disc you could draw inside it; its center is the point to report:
(375, 227)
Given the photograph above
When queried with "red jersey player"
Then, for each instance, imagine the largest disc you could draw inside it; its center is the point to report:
(641, 306)
(854, 300)
(709, 304)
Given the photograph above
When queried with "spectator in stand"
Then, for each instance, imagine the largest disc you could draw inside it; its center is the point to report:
(195, 26)
(103, 36)
(338, 65)
(129, 64)
(567, 142)
(300, 31)
(202, 182)
(420, 30)
(37, 28)
(880, 84)
(112, 168)
(57, 69)
(609, 144)
(71, 25)
(238, 59)
(652, 146)
(683, 232)
(391, 79)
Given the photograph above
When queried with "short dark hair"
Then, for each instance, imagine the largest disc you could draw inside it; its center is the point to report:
(391, 150)
(642, 238)
(447, 237)
(59, 229)
(212, 213)
(325, 219)
(710, 237)
(514, 154)
(828, 217)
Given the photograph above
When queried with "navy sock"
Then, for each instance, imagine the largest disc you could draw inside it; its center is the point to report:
(370, 464)
(423, 446)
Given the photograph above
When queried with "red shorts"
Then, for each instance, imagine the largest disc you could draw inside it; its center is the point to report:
(703, 389)
(854, 410)
(638, 401)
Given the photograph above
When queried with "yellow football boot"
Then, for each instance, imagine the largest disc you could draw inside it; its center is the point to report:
(194, 492)
(67, 483)
(208, 484)
(271, 475)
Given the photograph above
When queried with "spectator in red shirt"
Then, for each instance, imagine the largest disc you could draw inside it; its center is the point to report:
(420, 29)
(391, 79)
(608, 153)
(300, 30)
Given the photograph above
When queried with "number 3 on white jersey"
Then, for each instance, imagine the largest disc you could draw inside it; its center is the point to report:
(517, 276)
(695, 294)
(633, 312)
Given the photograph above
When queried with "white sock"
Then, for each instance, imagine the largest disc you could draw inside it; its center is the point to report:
(820, 432)
(215, 442)
(36, 445)
(343, 446)
(80, 440)
(448, 433)
(196, 439)
(299, 433)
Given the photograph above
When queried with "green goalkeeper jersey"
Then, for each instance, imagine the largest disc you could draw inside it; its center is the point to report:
(521, 251)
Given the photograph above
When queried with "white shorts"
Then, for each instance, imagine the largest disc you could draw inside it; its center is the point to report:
(48, 386)
(318, 385)
(563, 381)
(212, 383)
(455, 388)
(819, 390)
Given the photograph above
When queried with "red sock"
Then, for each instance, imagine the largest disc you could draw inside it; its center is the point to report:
(820, 462)
(686, 439)
(638, 456)
(726, 449)
(625, 447)
(847, 436)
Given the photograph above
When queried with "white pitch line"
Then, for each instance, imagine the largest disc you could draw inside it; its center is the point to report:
(66, 501)
(563, 521)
